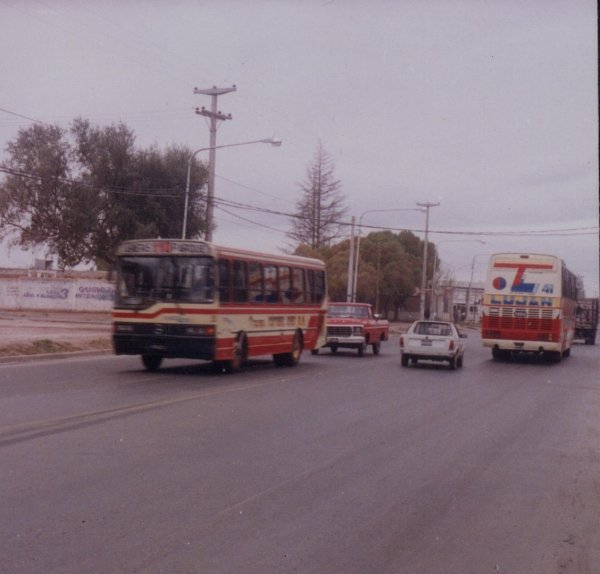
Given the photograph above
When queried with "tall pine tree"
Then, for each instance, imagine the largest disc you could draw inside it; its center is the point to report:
(317, 221)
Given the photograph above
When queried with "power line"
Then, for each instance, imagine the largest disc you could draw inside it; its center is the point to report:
(22, 116)
(223, 203)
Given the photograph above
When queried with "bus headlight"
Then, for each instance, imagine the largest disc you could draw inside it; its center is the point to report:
(123, 328)
(200, 330)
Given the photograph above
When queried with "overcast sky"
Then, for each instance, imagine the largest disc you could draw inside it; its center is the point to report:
(488, 108)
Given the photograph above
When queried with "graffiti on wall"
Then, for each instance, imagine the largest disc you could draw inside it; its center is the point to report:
(57, 295)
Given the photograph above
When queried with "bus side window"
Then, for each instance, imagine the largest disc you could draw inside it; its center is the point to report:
(224, 281)
(297, 285)
(285, 286)
(315, 288)
(271, 287)
(320, 289)
(240, 286)
(255, 282)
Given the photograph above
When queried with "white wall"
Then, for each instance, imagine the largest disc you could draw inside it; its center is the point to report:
(57, 294)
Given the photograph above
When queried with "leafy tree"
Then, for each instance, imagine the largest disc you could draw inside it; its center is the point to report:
(389, 269)
(80, 192)
(321, 205)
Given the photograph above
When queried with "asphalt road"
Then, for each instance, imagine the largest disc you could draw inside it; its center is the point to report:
(341, 465)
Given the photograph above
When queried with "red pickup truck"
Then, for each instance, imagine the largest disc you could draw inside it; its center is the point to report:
(354, 326)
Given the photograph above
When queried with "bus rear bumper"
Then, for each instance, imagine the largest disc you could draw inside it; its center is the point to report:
(523, 346)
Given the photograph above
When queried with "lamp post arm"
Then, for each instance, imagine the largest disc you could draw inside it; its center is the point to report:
(272, 141)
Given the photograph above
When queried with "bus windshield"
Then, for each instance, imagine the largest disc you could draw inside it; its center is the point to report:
(143, 280)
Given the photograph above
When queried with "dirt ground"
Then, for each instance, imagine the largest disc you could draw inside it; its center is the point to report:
(28, 333)
(41, 332)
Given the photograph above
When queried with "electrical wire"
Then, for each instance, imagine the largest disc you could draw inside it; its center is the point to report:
(223, 203)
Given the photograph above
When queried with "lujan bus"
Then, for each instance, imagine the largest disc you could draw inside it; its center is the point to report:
(529, 306)
(191, 299)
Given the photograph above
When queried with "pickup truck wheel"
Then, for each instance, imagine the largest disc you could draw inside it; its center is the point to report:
(454, 362)
(376, 348)
(361, 349)
(461, 361)
(404, 360)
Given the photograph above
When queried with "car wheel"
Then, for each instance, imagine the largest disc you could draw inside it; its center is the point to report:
(404, 360)
(461, 360)
(361, 349)
(453, 363)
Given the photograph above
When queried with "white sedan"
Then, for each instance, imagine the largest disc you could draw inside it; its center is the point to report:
(433, 341)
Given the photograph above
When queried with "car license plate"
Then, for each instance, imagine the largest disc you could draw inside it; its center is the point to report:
(425, 343)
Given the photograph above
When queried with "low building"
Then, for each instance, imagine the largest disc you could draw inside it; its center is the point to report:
(458, 301)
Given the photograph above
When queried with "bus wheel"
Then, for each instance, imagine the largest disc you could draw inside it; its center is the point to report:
(499, 354)
(151, 362)
(239, 355)
(292, 358)
(553, 356)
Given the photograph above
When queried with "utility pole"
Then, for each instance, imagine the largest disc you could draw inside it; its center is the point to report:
(349, 298)
(426, 205)
(214, 116)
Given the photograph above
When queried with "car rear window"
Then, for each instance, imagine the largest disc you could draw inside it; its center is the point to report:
(436, 329)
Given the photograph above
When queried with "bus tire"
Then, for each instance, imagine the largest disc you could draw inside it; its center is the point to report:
(240, 354)
(292, 358)
(499, 354)
(152, 362)
(553, 356)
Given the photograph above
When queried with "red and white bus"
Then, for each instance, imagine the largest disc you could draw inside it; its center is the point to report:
(190, 299)
(529, 305)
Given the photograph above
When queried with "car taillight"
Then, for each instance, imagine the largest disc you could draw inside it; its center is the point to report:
(402, 341)
(451, 345)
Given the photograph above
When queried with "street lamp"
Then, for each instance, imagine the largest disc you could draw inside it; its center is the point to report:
(355, 278)
(210, 197)
(433, 278)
